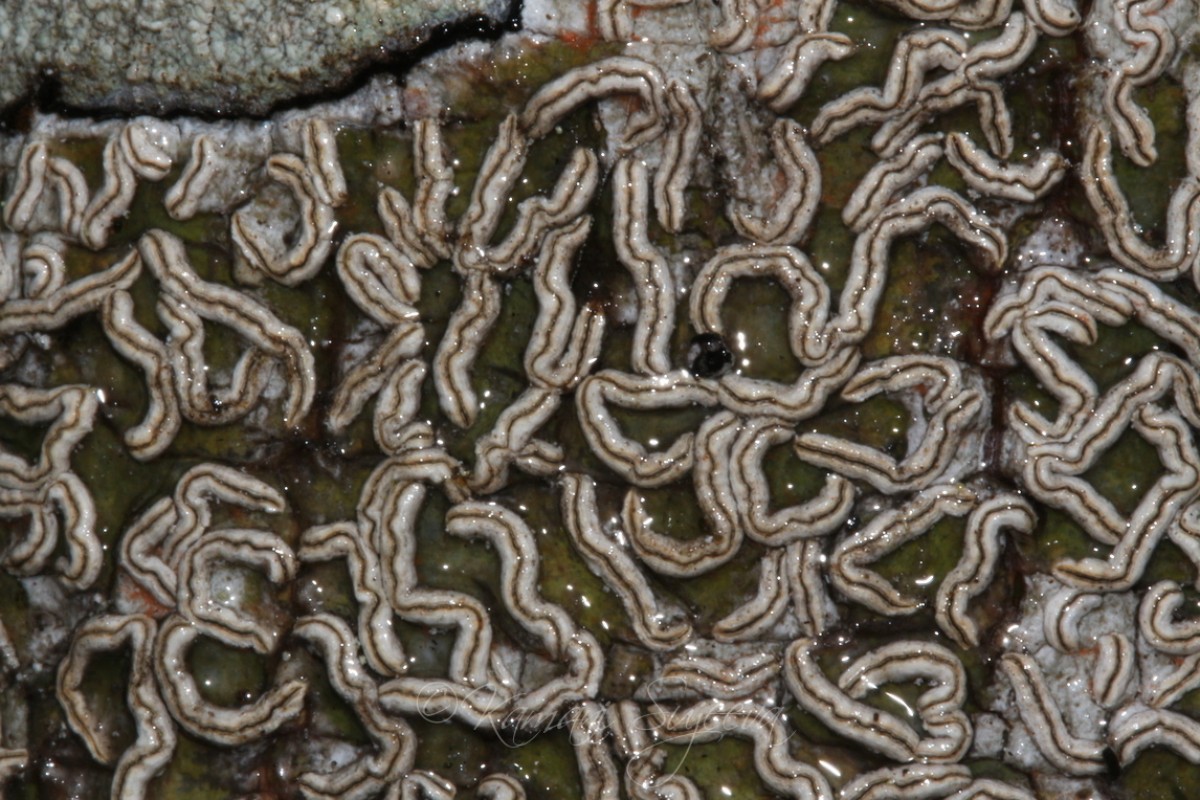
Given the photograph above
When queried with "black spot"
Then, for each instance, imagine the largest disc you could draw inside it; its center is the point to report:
(708, 356)
(1112, 764)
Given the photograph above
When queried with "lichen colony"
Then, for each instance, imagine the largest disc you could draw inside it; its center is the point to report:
(669, 399)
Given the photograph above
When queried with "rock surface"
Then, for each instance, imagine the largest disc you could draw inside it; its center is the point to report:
(211, 56)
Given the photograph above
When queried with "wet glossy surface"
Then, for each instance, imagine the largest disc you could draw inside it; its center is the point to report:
(385, 447)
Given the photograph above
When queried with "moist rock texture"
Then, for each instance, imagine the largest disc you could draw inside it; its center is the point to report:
(669, 399)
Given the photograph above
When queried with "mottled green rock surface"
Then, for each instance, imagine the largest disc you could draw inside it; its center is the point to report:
(935, 302)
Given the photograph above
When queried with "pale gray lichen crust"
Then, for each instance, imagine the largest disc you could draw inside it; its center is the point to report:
(215, 56)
